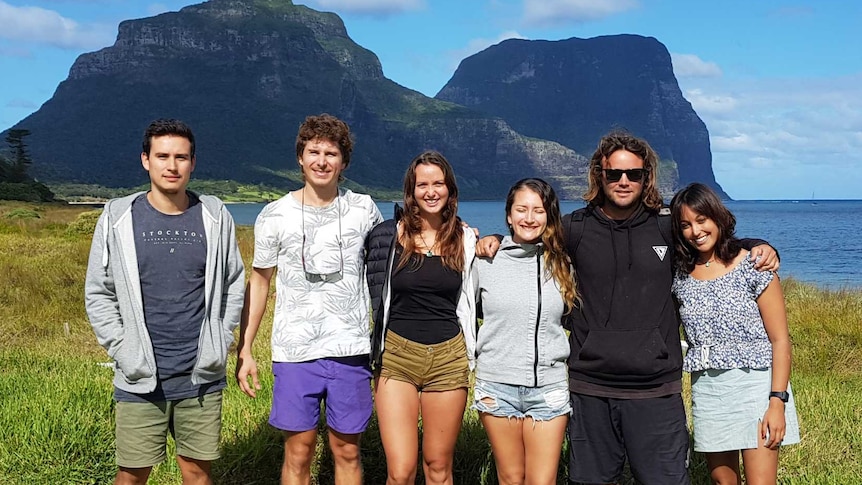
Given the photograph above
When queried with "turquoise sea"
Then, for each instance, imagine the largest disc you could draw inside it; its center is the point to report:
(820, 241)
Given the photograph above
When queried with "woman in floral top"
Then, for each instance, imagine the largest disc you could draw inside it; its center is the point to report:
(739, 346)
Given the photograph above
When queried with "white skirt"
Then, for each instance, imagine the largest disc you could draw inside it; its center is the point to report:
(728, 405)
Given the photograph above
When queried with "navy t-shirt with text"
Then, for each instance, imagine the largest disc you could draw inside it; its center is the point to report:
(171, 252)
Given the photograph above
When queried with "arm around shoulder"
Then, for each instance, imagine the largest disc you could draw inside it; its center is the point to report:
(769, 259)
(488, 246)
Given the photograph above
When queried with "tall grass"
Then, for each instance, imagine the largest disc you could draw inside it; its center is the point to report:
(56, 408)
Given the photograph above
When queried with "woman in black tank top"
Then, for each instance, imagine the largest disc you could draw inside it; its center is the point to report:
(425, 365)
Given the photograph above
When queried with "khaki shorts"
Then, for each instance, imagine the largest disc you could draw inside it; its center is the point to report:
(142, 429)
(438, 367)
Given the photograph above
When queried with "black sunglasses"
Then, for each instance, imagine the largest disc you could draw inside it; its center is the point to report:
(633, 174)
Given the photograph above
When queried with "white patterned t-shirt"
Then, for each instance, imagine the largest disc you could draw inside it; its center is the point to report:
(317, 316)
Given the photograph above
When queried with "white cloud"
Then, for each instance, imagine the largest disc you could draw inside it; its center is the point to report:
(690, 65)
(775, 138)
(478, 45)
(42, 26)
(714, 104)
(555, 12)
(370, 7)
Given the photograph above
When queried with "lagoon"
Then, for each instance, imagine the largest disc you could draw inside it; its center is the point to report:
(820, 241)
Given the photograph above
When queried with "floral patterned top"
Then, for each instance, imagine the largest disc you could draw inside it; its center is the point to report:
(314, 317)
(722, 321)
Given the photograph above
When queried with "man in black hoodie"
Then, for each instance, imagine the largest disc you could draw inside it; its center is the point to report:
(625, 366)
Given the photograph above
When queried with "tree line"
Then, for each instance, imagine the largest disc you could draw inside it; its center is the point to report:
(15, 182)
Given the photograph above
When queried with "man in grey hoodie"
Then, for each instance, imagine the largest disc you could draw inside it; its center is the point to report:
(164, 292)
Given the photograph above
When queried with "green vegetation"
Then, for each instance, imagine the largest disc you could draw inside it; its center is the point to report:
(229, 191)
(15, 183)
(56, 408)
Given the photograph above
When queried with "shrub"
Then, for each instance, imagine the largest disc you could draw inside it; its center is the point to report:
(84, 224)
(22, 213)
(28, 192)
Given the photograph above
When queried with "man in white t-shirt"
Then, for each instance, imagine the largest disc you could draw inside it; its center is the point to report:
(313, 239)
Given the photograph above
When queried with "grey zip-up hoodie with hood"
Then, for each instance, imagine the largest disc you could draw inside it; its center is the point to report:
(112, 294)
(521, 341)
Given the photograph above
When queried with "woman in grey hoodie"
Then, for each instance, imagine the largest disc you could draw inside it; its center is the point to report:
(521, 389)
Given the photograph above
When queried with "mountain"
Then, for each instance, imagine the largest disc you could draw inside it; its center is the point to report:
(244, 74)
(574, 91)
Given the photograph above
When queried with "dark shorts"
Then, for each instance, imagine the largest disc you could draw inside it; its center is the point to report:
(651, 433)
(436, 367)
(344, 383)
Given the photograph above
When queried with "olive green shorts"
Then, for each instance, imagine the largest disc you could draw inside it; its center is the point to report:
(437, 367)
(142, 429)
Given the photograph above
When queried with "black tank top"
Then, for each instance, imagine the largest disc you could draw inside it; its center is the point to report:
(424, 300)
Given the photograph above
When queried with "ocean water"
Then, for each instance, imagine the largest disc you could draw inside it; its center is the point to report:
(819, 241)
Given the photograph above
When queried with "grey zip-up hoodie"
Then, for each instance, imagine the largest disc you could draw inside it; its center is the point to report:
(521, 341)
(112, 294)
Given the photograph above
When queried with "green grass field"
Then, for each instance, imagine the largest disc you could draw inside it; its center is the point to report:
(56, 408)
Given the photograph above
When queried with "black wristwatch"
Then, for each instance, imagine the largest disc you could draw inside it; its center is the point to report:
(783, 395)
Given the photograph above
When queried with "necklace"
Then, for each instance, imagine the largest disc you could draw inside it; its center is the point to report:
(428, 248)
(708, 261)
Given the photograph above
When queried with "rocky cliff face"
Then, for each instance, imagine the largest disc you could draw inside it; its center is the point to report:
(574, 91)
(244, 74)
(237, 32)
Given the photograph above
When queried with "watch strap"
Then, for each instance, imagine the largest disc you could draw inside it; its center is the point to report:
(783, 395)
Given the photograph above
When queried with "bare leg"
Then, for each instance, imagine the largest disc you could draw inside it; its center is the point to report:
(761, 465)
(397, 405)
(132, 476)
(442, 414)
(724, 467)
(195, 472)
(298, 452)
(507, 444)
(543, 441)
(348, 462)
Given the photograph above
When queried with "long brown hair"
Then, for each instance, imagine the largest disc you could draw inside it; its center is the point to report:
(621, 140)
(704, 201)
(557, 262)
(451, 235)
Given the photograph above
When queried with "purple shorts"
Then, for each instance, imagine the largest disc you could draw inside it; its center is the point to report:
(344, 383)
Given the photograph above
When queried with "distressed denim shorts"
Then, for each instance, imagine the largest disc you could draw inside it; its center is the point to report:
(507, 401)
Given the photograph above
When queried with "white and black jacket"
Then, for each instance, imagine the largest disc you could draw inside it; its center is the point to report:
(380, 262)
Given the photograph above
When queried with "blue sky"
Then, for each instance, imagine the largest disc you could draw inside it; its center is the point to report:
(778, 83)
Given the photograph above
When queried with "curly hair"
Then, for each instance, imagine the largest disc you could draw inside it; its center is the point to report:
(622, 140)
(703, 201)
(557, 262)
(451, 235)
(325, 127)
